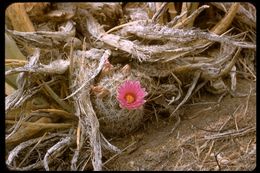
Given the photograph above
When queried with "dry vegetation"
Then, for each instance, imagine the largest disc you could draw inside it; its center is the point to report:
(64, 62)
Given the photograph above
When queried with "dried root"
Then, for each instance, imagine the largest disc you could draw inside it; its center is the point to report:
(70, 58)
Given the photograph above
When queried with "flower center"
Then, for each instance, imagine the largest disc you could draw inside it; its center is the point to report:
(129, 98)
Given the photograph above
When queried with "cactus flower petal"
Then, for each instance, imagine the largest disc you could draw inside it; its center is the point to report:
(131, 95)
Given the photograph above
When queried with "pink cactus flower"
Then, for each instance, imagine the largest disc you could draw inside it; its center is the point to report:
(131, 95)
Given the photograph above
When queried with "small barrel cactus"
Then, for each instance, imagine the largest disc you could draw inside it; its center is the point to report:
(118, 99)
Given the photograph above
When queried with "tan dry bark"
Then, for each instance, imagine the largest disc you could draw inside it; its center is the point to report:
(20, 20)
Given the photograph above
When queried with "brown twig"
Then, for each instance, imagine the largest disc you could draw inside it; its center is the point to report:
(159, 12)
(226, 21)
(58, 112)
(234, 133)
(199, 113)
(247, 68)
(60, 101)
(207, 154)
(42, 125)
(27, 155)
(194, 82)
(111, 158)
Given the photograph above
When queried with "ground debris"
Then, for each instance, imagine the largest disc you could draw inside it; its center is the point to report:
(65, 62)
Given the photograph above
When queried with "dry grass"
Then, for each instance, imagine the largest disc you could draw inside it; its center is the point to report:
(178, 49)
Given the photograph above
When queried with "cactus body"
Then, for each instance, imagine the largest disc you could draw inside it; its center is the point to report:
(114, 120)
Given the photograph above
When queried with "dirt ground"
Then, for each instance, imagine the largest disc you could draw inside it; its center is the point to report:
(210, 136)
